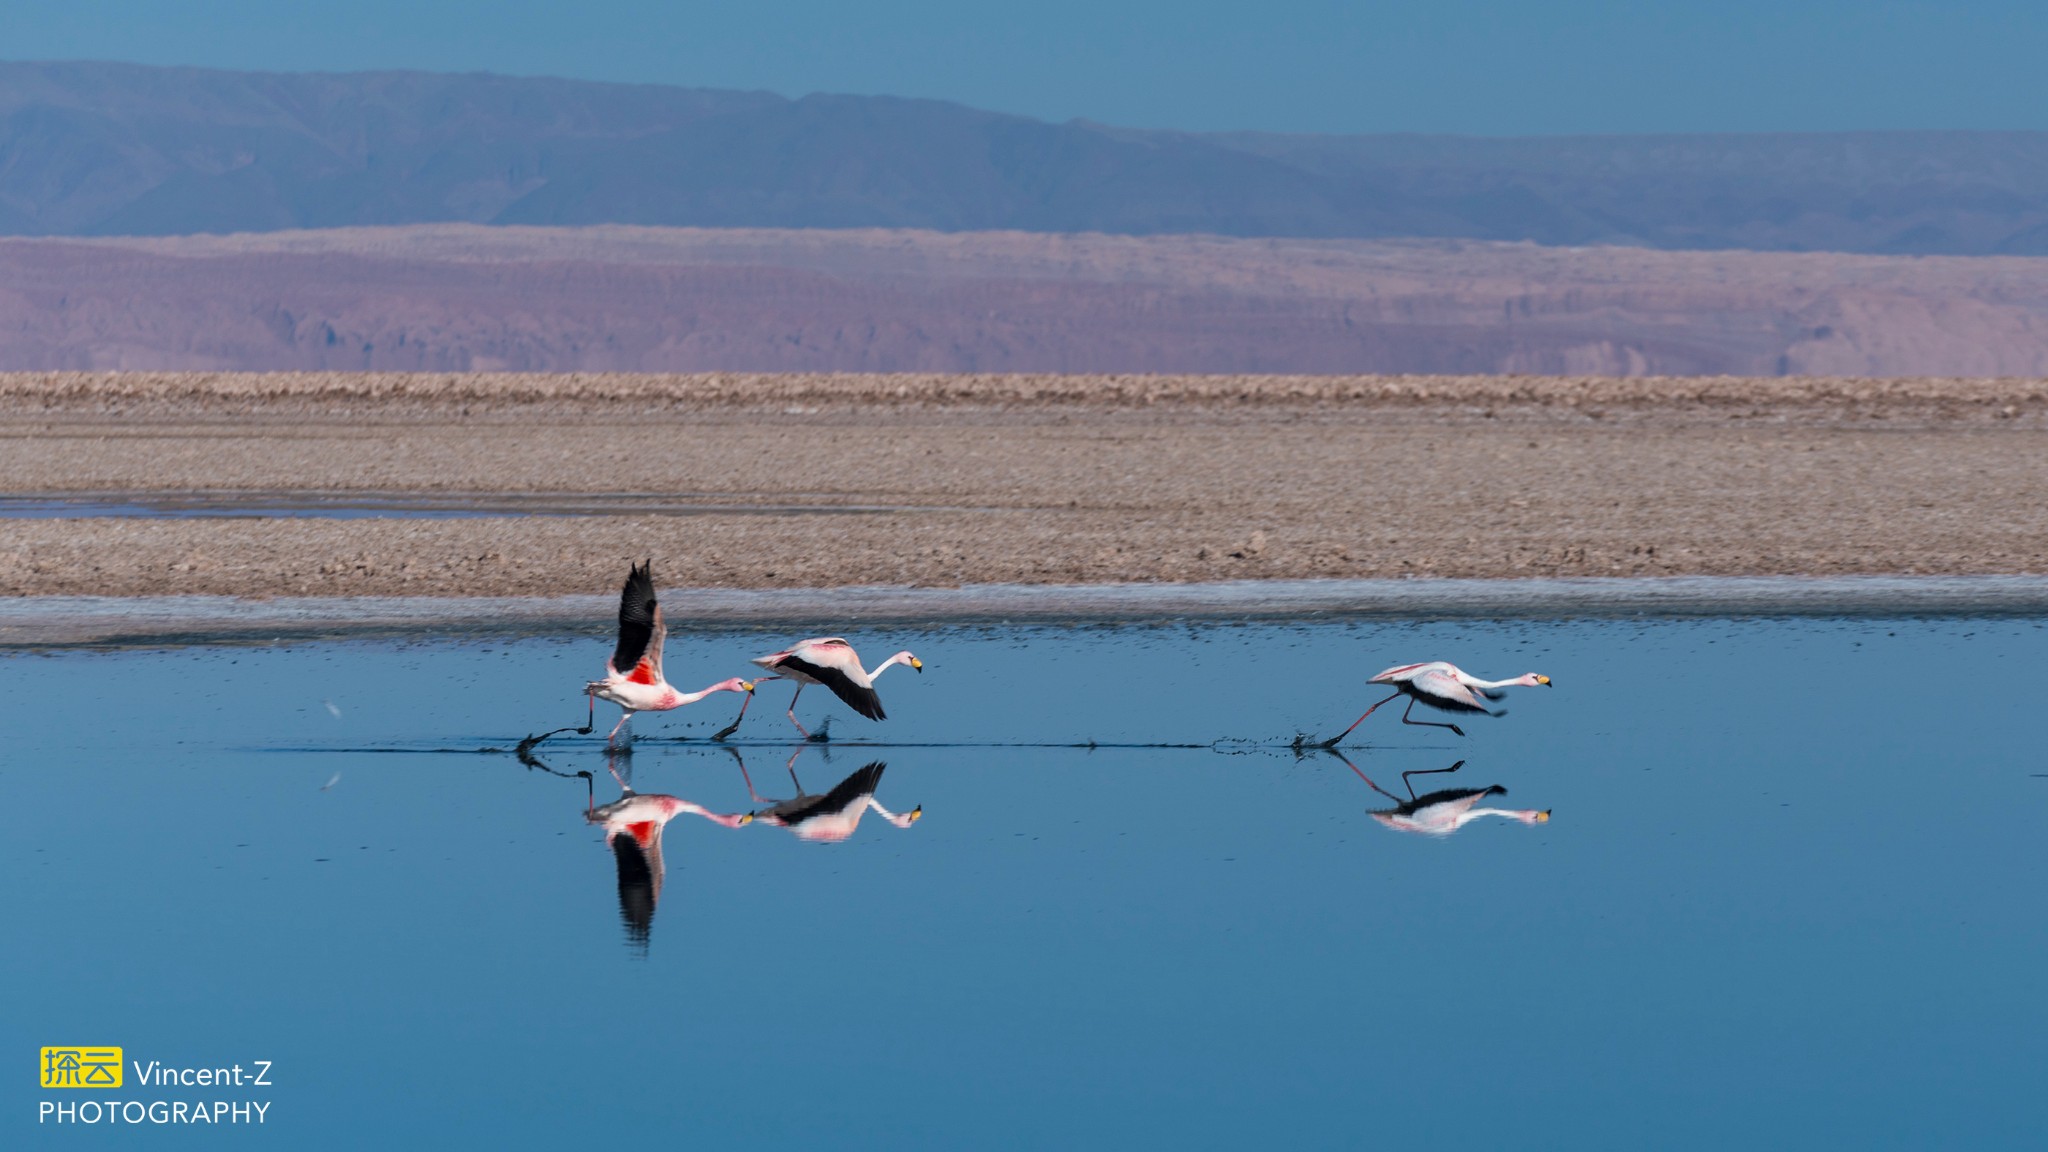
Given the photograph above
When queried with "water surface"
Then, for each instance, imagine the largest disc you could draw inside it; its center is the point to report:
(1790, 894)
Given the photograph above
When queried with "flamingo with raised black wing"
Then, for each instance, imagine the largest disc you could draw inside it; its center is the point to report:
(831, 662)
(1444, 812)
(1440, 685)
(633, 826)
(632, 678)
(833, 817)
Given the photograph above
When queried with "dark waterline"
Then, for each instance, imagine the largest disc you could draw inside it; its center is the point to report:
(1788, 895)
(405, 505)
(42, 622)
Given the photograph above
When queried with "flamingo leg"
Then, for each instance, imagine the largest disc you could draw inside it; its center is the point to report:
(1332, 741)
(755, 796)
(733, 727)
(590, 720)
(1367, 779)
(1428, 723)
(623, 717)
(792, 712)
(1426, 772)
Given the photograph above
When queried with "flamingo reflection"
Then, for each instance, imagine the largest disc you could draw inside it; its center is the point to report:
(633, 825)
(1442, 812)
(830, 818)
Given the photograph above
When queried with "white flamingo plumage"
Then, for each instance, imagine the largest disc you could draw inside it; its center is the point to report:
(1444, 812)
(1441, 685)
(835, 816)
(632, 677)
(830, 661)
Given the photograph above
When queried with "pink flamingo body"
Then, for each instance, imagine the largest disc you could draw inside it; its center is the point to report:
(633, 826)
(632, 677)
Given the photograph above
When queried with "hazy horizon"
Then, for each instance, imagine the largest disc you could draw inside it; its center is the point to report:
(1083, 119)
(1457, 67)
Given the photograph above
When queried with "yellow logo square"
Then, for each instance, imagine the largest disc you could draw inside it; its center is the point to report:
(81, 1067)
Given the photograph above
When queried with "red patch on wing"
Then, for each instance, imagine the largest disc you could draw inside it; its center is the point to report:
(643, 672)
(643, 831)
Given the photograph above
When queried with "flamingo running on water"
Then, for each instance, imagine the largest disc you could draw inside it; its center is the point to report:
(832, 662)
(632, 828)
(1442, 813)
(632, 678)
(1440, 685)
(833, 817)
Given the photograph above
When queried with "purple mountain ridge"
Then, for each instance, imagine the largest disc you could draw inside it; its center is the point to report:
(90, 149)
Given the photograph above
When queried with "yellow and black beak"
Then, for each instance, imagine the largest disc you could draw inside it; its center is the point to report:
(916, 814)
(916, 664)
(1543, 680)
(748, 818)
(748, 685)
(1543, 817)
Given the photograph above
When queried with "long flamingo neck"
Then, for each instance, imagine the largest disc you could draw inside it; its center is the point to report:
(1525, 680)
(1525, 815)
(903, 820)
(729, 821)
(884, 666)
(693, 697)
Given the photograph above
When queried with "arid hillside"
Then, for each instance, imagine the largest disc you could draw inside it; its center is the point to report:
(616, 298)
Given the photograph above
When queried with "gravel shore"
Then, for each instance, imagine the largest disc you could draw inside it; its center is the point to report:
(949, 480)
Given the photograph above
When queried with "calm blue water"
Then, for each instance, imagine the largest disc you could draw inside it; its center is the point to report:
(1791, 896)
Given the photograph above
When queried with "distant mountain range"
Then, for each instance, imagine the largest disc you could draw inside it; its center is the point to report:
(111, 149)
(462, 297)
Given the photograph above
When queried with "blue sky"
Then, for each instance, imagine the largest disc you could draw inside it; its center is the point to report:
(1471, 66)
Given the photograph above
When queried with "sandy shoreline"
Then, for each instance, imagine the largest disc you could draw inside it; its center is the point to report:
(1026, 480)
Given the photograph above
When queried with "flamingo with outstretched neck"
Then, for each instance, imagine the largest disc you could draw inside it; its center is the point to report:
(830, 661)
(830, 818)
(1440, 685)
(633, 826)
(632, 677)
(1444, 812)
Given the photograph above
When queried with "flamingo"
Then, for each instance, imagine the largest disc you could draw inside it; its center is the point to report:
(832, 662)
(1442, 813)
(632, 677)
(833, 817)
(1440, 685)
(632, 828)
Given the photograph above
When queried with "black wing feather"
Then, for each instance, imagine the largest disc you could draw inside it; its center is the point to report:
(843, 795)
(1447, 795)
(639, 888)
(636, 617)
(861, 700)
(1444, 702)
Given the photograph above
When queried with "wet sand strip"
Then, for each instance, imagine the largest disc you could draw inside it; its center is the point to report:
(168, 621)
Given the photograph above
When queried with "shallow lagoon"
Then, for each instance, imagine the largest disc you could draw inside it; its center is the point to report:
(1791, 893)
